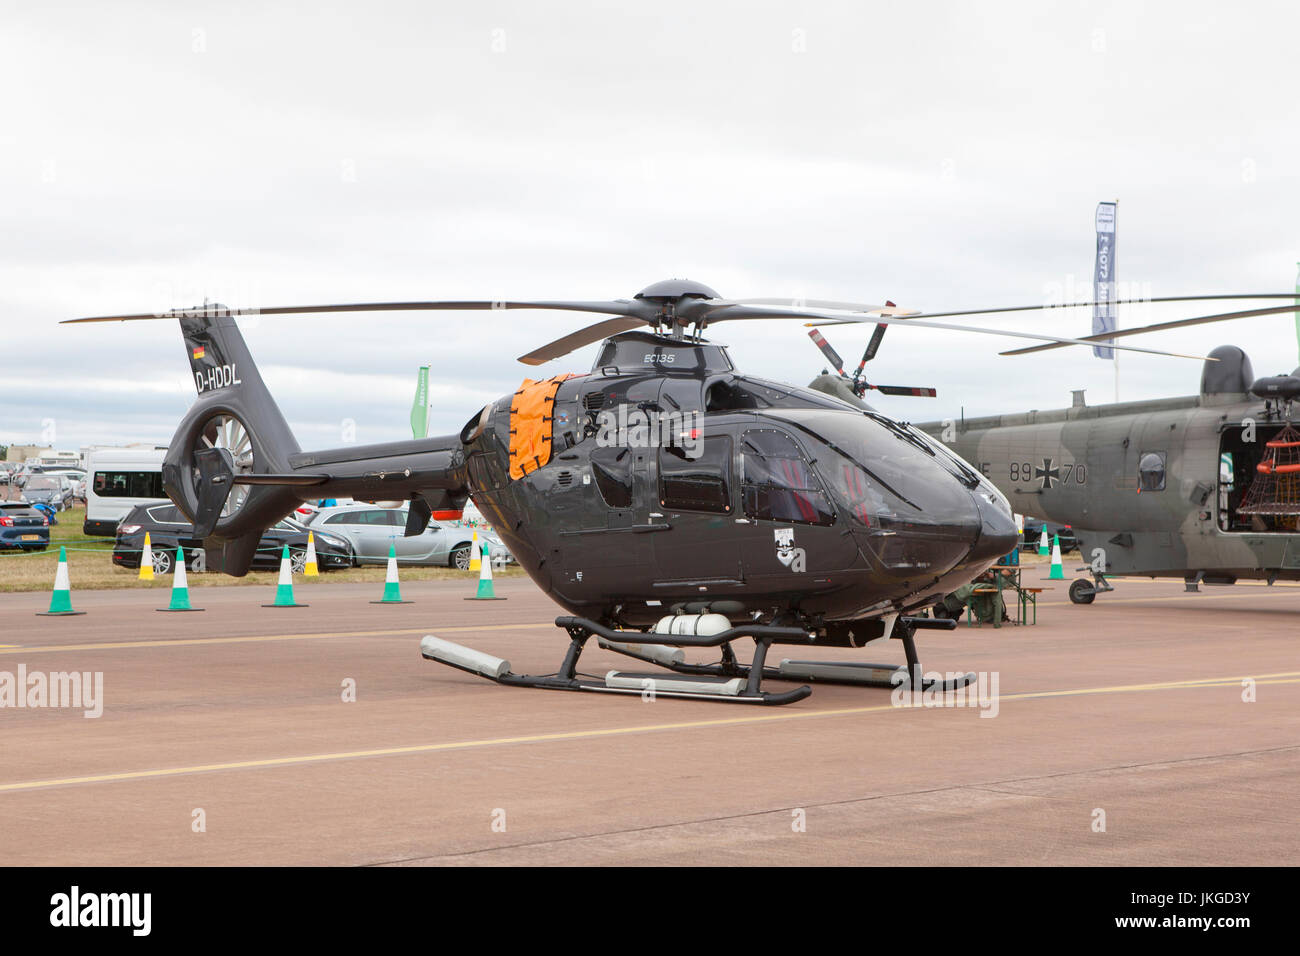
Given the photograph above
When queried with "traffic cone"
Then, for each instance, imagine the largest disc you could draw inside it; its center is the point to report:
(1042, 544)
(180, 587)
(392, 590)
(61, 599)
(474, 562)
(284, 588)
(310, 570)
(485, 592)
(1058, 572)
(146, 560)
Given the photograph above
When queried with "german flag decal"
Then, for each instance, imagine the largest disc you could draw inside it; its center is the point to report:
(198, 352)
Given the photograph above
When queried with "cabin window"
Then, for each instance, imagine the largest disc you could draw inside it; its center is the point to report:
(777, 483)
(697, 484)
(168, 514)
(378, 516)
(612, 467)
(1151, 471)
(129, 484)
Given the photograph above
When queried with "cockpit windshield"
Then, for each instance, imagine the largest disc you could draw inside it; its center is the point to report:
(885, 475)
(910, 509)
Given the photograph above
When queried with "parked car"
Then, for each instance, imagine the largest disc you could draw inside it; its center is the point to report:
(75, 476)
(54, 490)
(1034, 529)
(169, 529)
(22, 526)
(371, 530)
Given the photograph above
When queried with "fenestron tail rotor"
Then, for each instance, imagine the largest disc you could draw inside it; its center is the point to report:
(228, 435)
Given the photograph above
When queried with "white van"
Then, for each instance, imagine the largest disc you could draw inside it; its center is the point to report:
(118, 479)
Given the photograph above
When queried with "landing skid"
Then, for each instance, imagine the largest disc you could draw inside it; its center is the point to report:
(729, 681)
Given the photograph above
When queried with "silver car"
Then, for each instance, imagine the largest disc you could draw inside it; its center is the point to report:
(76, 477)
(371, 530)
(52, 490)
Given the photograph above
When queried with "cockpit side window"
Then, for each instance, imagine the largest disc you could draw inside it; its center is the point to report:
(612, 467)
(777, 483)
(1151, 471)
(697, 484)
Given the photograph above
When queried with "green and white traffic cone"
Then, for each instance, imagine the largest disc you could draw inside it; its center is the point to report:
(61, 599)
(1042, 544)
(284, 588)
(485, 592)
(1058, 571)
(392, 590)
(180, 587)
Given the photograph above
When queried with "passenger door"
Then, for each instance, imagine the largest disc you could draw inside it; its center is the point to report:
(696, 499)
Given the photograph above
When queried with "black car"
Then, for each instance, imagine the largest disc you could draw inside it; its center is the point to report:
(169, 529)
(1034, 530)
(22, 526)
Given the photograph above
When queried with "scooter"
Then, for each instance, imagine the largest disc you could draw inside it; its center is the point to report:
(47, 510)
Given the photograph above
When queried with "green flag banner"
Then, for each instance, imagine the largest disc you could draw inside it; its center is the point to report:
(420, 409)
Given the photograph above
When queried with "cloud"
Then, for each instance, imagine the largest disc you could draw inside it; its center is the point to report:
(941, 156)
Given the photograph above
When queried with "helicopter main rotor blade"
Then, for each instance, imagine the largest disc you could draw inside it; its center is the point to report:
(812, 304)
(819, 340)
(1104, 338)
(912, 390)
(644, 311)
(732, 312)
(576, 340)
(702, 311)
(848, 306)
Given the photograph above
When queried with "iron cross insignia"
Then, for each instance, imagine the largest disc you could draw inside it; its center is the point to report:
(1047, 473)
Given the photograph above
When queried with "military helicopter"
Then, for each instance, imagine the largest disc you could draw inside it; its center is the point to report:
(664, 499)
(1204, 487)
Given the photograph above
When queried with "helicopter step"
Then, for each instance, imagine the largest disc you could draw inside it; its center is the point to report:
(728, 681)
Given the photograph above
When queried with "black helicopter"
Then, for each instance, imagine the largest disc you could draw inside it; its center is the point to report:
(665, 499)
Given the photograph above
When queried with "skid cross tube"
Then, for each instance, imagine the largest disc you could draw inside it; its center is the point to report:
(741, 687)
(851, 673)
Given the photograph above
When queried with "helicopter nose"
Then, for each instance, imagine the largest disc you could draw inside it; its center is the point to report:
(997, 534)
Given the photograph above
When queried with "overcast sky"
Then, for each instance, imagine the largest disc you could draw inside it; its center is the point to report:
(942, 155)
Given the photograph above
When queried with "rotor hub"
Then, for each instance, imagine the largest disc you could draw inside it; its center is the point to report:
(673, 290)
